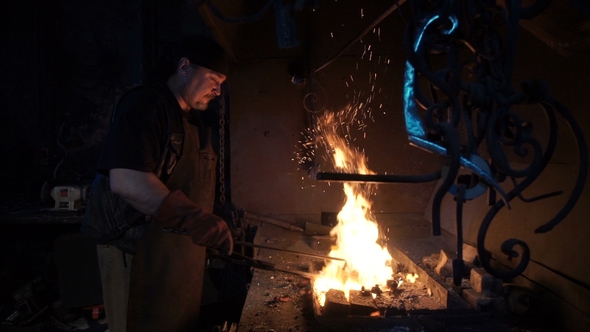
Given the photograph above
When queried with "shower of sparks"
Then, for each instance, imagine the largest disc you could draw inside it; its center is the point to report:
(354, 116)
(334, 129)
(361, 97)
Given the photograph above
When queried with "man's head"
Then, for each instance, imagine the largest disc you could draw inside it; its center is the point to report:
(195, 86)
(197, 66)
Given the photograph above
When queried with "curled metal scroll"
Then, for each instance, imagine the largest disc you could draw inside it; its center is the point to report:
(453, 109)
(466, 108)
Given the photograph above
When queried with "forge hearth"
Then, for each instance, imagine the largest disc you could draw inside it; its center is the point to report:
(407, 299)
(285, 302)
(427, 296)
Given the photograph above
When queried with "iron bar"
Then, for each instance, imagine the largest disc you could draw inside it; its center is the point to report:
(382, 178)
(361, 34)
(249, 244)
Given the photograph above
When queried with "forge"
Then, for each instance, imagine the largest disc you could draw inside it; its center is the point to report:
(368, 281)
(399, 305)
(285, 301)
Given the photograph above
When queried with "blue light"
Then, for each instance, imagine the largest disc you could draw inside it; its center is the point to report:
(413, 121)
(455, 24)
(414, 127)
(419, 39)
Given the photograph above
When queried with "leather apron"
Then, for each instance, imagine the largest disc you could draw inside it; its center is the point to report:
(168, 270)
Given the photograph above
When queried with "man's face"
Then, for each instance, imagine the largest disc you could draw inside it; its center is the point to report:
(202, 85)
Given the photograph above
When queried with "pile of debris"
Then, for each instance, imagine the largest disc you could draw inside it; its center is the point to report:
(481, 290)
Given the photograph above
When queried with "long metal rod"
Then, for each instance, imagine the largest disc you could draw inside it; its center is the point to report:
(262, 265)
(385, 178)
(249, 244)
(273, 221)
(360, 35)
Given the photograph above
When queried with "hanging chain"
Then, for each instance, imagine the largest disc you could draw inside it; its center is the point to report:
(237, 223)
(222, 150)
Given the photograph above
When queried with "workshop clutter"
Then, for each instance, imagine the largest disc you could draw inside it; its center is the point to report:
(36, 306)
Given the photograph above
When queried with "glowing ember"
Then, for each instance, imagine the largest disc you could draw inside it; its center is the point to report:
(411, 277)
(367, 263)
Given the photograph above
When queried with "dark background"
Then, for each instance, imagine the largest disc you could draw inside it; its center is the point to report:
(65, 64)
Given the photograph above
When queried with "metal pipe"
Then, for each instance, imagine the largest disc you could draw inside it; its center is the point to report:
(385, 178)
(360, 35)
(249, 244)
(273, 221)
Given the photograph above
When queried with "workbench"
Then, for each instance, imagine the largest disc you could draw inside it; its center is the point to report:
(33, 212)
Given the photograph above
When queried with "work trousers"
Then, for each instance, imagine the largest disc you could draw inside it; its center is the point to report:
(115, 271)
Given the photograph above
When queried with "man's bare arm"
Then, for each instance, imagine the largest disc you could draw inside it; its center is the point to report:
(143, 190)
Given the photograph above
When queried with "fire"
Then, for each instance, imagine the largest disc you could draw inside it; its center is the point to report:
(367, 263)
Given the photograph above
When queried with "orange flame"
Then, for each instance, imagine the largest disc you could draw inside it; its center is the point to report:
(367, 263)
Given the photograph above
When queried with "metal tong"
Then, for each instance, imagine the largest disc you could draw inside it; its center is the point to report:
(264, 265)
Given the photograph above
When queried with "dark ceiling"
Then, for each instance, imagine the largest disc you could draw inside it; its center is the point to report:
(322, 27)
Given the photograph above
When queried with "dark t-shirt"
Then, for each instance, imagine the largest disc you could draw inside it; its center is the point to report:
(139, 131)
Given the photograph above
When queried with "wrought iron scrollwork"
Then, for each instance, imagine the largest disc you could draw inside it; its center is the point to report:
(464, 110)
(451, 110)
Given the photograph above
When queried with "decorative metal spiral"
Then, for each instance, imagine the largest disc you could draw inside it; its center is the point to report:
(463, 109)
(452, 108)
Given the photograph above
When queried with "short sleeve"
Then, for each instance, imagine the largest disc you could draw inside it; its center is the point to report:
(137, 134)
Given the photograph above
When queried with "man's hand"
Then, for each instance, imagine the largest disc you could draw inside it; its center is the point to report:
(180, 215)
